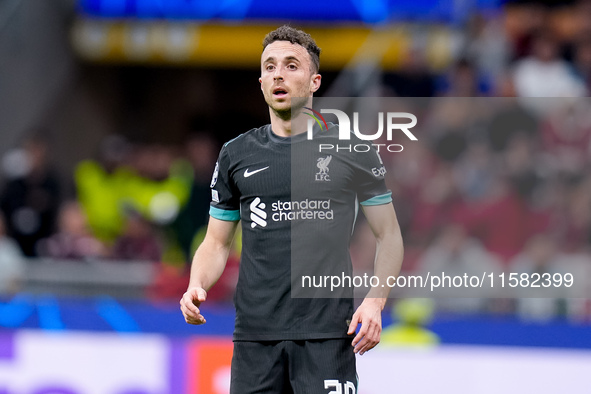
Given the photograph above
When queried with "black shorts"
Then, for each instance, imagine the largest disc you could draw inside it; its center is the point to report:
(302, 367)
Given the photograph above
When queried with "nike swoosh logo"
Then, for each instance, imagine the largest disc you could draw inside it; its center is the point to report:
(247, 174)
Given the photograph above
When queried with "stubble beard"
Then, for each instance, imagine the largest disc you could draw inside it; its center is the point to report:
(292, 110)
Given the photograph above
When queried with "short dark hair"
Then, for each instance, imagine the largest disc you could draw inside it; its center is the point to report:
(295, 36)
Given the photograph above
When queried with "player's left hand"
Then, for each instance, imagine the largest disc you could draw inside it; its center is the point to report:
(369, 314)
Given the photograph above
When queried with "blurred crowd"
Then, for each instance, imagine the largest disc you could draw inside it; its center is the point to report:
(492, 183)
(140, 202)
(527, 49)
(500, 183)
(131, 202)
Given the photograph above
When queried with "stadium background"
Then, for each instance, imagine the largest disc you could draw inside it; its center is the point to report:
(111, 116)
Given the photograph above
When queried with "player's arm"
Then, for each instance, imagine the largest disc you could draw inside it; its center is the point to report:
(207, 267)
(389, 253)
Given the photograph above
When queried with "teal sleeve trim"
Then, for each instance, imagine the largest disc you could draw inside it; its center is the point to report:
(379, 200)
(232, 140)
(222, 214)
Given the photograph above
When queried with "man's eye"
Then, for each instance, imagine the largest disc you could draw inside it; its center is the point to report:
(292, 67)
(270, 67)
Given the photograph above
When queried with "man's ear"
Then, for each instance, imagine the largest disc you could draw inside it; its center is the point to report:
(261, 82)
(315, 82)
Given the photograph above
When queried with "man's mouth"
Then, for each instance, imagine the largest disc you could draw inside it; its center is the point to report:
(279, 92)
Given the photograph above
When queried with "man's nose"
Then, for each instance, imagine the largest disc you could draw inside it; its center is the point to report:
(278, 74)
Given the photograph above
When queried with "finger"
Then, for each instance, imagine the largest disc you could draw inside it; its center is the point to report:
(353, 325)
(360, 349)
(201, 295)
(190, 310)
(192, 318)
(371, 337)
(188, 314)
(367, 329)
(375, 338)
(362, 332)
(369, 341)
(197, 322)
(189, 302)
(368, 346)
(197, 294)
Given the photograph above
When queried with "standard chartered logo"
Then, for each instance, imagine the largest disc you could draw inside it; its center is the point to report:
(257, 213)
(301, 210)
(290, 210)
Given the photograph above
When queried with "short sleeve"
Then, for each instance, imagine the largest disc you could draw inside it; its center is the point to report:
(369, 180)
(225, 200)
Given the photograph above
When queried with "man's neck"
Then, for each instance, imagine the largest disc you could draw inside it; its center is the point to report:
(290, 126)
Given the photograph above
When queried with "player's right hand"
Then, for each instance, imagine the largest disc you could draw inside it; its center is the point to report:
(190, 304)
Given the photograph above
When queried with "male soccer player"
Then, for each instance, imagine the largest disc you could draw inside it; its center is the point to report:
(297, 206)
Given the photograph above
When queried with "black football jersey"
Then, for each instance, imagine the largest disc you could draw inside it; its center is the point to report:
(298, 200)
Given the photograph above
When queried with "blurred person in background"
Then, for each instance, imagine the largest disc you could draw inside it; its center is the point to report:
(544, 74)
(150, 179)
(540, 256)
(500, 219)
(572, 220)
(73, 240)
(200, 150)
(12, 262)
(413, 79)
(566, 136)
(456, 253)
(139, 240)
(98, 186)
(488, 45)
(520, 164)
(449, 127)
(407, 181)
(436, 205)
(158, 188)
(582, 61)
(463, 80)
(411, 315)
(31, 197)
(509, 119)
(475, 172)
